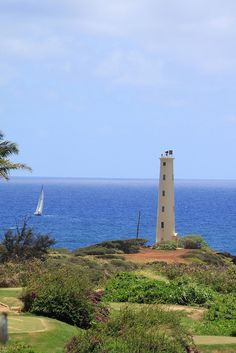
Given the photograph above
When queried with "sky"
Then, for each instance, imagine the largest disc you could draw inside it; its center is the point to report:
(100, 88)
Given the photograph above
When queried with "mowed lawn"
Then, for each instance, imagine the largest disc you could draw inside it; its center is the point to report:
(9, 296)
(44, 335)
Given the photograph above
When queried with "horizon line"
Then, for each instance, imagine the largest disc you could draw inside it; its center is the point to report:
(115, 178)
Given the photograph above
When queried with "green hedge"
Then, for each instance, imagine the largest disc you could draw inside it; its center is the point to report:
(223, 308)
(63, 295)
(128, 287)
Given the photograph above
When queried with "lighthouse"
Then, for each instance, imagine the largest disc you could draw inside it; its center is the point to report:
(165, 230)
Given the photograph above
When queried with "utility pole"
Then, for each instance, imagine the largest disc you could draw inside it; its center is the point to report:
(138, 225)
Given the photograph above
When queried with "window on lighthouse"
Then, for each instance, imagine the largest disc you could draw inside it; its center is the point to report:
(162, 225)
(164, 177)
(163, 193)
(164, 164)
(163, 209)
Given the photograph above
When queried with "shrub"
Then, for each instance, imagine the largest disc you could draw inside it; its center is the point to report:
(223, 308)
(128, 287)
(127, 246)
(219, 278)
(94, 250)
(186, 292)
(193, 241)
(205, 256)
(167, 245)
(143, 331)
(64, 295)
(110, 257)
(227, 255)
(16, 348)
(14, 274)
(24, 244)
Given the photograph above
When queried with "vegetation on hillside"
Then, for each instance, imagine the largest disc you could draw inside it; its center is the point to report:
(24, 244)
(69, 286)
(128, 246)
(128, 287)
(64, 295)
(192, 241)
(141, 331)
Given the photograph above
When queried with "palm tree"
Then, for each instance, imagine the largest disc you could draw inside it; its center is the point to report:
(8, 148)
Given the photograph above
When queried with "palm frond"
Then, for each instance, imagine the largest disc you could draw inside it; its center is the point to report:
(7, 166)
(7, 148)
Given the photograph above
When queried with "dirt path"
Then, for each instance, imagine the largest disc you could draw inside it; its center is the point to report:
(211, 340)
(4, 308)
(194, 313)
(149, 255)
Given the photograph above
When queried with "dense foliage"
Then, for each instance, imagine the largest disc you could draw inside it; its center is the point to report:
(219, 278)
(144, 331)
(223, 308)
(18, 274)
(192, 241)
(24, 244)
(62, 286)
(127, 246)
(128, 287)
(167, 245)
(16, 348)
(64, 295)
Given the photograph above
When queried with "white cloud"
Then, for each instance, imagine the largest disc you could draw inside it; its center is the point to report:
(162, 33)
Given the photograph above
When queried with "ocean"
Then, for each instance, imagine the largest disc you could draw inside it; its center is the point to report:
(80, 212)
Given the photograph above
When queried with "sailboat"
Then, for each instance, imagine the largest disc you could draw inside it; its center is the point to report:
(39, 208)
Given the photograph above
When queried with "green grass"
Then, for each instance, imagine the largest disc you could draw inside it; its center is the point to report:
(26, 324)
(10, 292)
(53, 338)
(210, 328)
(229, 348)
(9, 296)
(44, 335)
(151, 274)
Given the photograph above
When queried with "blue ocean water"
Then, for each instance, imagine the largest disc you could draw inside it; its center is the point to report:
(80, 212)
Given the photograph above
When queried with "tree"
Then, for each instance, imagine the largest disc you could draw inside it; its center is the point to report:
(24, 244)
(8, 148)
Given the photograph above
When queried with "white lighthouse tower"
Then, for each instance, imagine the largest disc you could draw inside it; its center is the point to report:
(165, 230)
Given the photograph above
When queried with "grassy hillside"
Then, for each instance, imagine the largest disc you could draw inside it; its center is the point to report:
(198, 286)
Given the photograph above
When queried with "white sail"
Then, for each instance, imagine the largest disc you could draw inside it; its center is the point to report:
(39, 208)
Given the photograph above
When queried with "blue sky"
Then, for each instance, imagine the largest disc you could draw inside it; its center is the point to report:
(99, 88)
